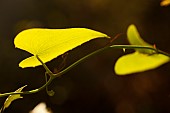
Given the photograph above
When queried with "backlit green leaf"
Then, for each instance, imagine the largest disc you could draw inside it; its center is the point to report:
(139, 62)
(134, 38)
(50, 43)
(142, 59)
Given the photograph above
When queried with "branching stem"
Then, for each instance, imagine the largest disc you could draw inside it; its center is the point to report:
(53, 76)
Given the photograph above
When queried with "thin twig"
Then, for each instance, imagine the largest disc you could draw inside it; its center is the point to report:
(52, 76)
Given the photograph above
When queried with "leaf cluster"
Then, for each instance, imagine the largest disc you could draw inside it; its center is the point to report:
(47, 44)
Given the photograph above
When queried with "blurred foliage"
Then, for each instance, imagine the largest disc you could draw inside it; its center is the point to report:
(165, 3)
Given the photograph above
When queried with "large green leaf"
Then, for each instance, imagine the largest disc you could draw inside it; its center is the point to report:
(50, 43)
(142, 59)
(139, 62)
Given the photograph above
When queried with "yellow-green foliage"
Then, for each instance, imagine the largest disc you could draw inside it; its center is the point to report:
(142, 59)
(48, 44)
(11, 98)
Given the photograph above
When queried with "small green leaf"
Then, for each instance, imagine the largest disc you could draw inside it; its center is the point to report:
(134, 38)
(50, 43)
(11, 98)
(139, 62)
(142, 59)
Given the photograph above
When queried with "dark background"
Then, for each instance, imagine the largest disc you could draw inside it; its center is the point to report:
(92, 86)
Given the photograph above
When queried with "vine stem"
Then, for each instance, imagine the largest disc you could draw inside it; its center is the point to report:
(106, 48)
(53, 76)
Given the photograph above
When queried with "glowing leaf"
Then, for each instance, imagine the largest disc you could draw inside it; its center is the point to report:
(139, 62)
(50, 43)
(142, 59)
(11, 98)
(165, 2)
(134, 38)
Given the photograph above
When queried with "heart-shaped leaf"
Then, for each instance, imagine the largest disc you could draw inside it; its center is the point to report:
(142, 59)
(139, 62)
(50, 43)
